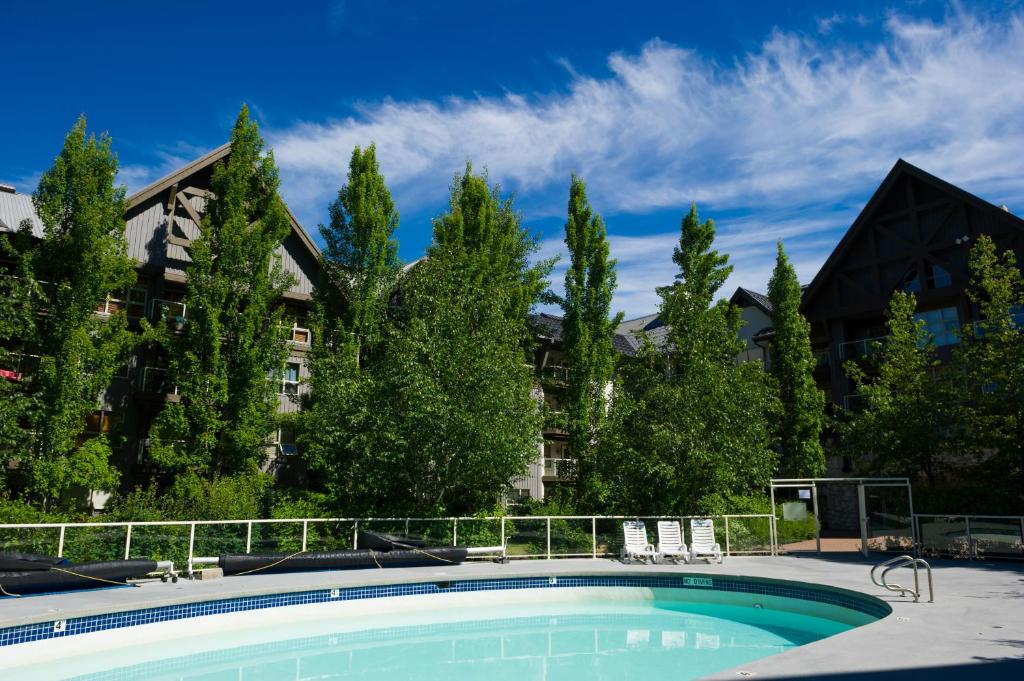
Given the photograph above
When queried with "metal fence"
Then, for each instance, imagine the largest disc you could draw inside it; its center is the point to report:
(523, 536)
(970, 536)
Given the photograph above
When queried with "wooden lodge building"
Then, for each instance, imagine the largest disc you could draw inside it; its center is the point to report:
(914, 234)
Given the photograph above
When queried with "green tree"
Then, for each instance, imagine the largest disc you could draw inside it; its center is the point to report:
(230, 344)
(360, 269)
(79, 261)
(18, 399)
(902, 424)
(689, 426)
(792, 366)
(588, 331)
(452, 417)
(992, 357)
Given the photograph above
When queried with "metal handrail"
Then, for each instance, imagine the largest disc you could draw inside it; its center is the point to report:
(905, 561)
(305, 523)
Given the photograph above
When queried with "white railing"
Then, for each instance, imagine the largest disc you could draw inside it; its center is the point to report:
(970, 536)
(523, 536)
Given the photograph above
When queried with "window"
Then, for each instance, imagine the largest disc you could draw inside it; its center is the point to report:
(100, 423)
(1017, 315)
(133, 300)
(289, 378)
(938, 277)
(942, 324)
(912, 281)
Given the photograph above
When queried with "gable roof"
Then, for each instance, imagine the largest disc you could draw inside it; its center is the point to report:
(16, 208)
(549, 326)
(899, 170)
(205, 161)
(744, 297)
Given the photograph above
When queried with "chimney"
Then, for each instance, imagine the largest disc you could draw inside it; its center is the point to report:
(7, 188)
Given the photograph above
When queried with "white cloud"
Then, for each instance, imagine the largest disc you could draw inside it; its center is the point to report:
(789, 130)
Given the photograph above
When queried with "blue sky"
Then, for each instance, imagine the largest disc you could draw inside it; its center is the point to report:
(779, 121)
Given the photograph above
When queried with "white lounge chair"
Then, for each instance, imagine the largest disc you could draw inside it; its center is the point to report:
(670, 541)
(636, 545)
(702, 540)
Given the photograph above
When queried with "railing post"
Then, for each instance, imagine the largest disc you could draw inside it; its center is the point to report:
(248, 537)
(355, 535)
(549, 536)
(503, 530)
(191, 545)
(726, 535)
(455, 531)
(1022, 531)
(60, 542)
(128, 541)
(593, 536)
(970, 539)
(305, 528)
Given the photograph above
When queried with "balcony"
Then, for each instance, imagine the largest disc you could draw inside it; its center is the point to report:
(860, 349)
(558, 467)
(19, 367)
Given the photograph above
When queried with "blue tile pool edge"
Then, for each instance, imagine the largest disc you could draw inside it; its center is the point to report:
(38, 631)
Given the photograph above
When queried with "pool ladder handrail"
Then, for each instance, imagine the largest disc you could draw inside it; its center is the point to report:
(905, 561)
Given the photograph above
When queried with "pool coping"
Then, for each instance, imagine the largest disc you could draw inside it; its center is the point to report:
(972, 597)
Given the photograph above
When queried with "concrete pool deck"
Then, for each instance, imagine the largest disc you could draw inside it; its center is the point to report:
(975, 628)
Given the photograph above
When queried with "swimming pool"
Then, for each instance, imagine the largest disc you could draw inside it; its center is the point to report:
(554, 628)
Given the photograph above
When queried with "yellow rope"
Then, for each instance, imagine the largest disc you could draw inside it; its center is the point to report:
(425, 553)
(96, 579)
(5, 592)
(264, 567)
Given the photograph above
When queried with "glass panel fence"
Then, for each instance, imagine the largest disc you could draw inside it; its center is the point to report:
(943, 536)
(997, 537)
(85, 544)
(160, 542)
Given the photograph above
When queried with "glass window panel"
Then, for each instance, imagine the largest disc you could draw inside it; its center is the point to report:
(938, 277)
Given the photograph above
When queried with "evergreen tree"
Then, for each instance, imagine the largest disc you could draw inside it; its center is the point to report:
(992, 357)
(452, 417)
(360, 269)
(588, 331)
(690, 426)
(792, 366)
(902, 424)
(79, 261)
(231, 341)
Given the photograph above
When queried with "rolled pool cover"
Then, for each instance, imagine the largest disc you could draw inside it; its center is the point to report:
(69, 576)
(235, 564)
(13, 561)
(379, 541)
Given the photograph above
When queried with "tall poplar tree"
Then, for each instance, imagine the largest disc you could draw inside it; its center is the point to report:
(792, 365)
(231, 341)
(360, 269)
(453, 417)
(588, 330)
(81, 258)
(690, 426)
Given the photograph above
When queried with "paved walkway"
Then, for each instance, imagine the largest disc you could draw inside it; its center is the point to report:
(974, 630)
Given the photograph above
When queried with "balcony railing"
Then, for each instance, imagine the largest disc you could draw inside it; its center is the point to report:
(558, 373)
(860, 349)
(155, 380)
(557, 466)
(19, 367)
(171, 311)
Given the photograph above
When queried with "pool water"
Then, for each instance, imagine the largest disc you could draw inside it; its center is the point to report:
(555, 642)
